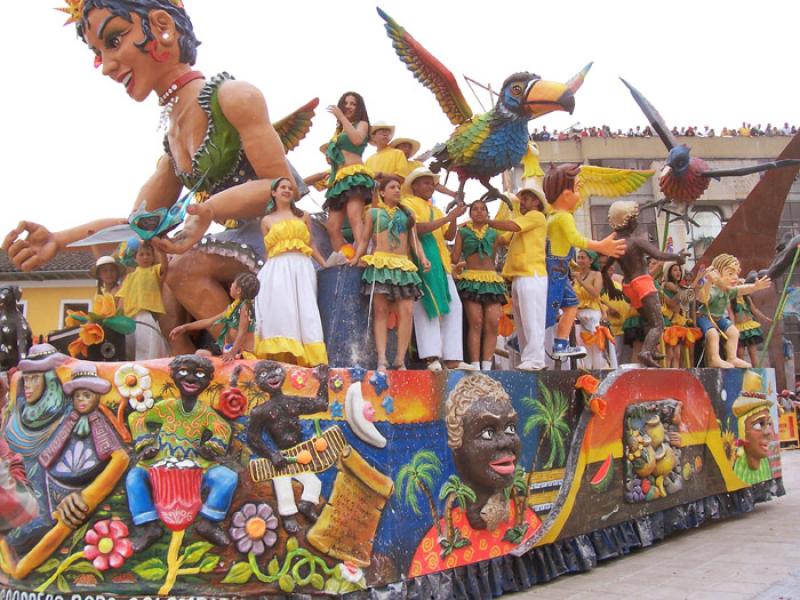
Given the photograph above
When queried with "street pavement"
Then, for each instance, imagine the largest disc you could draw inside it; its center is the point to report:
(752, 556)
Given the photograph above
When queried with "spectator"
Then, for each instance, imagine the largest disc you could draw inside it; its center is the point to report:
(545, 135)
(744, 130)
(786, 129)
(647, 132)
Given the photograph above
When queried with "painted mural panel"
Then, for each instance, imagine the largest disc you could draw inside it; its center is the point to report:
(169, 477)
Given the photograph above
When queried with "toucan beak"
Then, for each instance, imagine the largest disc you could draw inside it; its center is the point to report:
(543, 97)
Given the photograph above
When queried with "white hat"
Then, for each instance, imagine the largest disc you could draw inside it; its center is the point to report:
(420, 172)
(380, 125)
(107, 260)
(532, 184)
(415, 145)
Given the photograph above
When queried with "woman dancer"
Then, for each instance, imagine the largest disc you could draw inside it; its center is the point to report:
(350, 183)
(219, 138)
(390, 277)
(588, 287)
(481, 288)
(288, 325)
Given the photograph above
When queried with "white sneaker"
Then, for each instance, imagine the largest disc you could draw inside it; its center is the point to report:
(528, 366)
(435, 366)
(462, 366)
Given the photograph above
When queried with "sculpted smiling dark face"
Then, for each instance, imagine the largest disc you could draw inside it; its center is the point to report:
(490, 445)
(192, 374)
(270, 376)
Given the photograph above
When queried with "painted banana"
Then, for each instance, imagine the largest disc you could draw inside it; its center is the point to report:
(359, 414)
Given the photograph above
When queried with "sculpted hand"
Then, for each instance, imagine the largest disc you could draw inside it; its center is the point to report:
(36, 249)
(207, 452)
(279, 460)
(147, 452)
(611, 246)
(72, 510)
(762, 283)
(194, 228)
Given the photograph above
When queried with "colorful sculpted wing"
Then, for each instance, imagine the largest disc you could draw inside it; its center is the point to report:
(611, 183)
(428, 71)
(294, 127)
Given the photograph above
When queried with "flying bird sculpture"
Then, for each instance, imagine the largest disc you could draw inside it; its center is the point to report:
(487, 144)
(685, 178)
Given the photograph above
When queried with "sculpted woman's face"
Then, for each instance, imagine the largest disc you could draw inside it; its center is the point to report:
(490, 445)
(113, 40)
(33, 386)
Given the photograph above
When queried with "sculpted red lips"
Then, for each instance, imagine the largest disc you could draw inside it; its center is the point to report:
(504, 465)
(190, 388)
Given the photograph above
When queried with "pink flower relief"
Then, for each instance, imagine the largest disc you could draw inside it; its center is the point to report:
(107, 544)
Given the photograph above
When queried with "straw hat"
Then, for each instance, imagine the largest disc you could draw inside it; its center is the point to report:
(415, 145)
(535, 186)
(421, 172)
(84, 377)
(380, 125)
(41, 358)
(106, 260)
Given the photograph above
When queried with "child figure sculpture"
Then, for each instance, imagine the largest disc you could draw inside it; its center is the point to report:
(715, 295)
(637, 283)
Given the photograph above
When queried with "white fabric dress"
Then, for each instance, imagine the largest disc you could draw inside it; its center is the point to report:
(288, 325)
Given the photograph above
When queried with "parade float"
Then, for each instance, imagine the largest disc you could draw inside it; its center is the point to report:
(197, 476)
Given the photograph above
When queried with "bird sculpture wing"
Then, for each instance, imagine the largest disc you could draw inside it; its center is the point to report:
(294, 127)
(775, 164)
(655, 119)
(428, 71)
(611, 183)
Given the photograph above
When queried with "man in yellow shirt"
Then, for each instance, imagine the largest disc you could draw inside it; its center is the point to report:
(409, 147)
(562, 239)
(525, 267)
(386, 160)
(438, 314)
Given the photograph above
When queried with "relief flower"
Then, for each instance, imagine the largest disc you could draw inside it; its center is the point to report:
(107, 544)
(75, 318)
(350, 573)
(253, 528)
(133, 382)
(299, 377)
(91, 334)
(232, 403)
(587, 383)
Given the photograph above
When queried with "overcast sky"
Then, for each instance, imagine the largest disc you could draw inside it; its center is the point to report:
(76, 147)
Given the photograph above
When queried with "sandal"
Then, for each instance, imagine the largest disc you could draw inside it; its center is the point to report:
(382, 366)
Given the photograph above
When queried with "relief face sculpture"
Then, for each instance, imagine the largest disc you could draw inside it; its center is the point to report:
(482, 435)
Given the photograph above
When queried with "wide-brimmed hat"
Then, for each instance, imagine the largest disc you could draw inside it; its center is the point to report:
(84, 377)
(415, 145)
(106, 260)
(420, 172)
(42, 358)
(380, 125)
(532, 184)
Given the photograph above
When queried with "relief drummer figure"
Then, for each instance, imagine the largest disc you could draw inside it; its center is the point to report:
(278, 418)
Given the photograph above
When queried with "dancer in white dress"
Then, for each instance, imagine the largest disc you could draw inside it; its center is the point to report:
(288, 325)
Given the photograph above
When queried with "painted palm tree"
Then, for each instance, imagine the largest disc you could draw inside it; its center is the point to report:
(455, 493)
(417, 476)
(213, 391)
(517, 492)
(167, 390)
(550, 417)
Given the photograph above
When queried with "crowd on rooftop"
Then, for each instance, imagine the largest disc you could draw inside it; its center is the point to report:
(604, 131)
